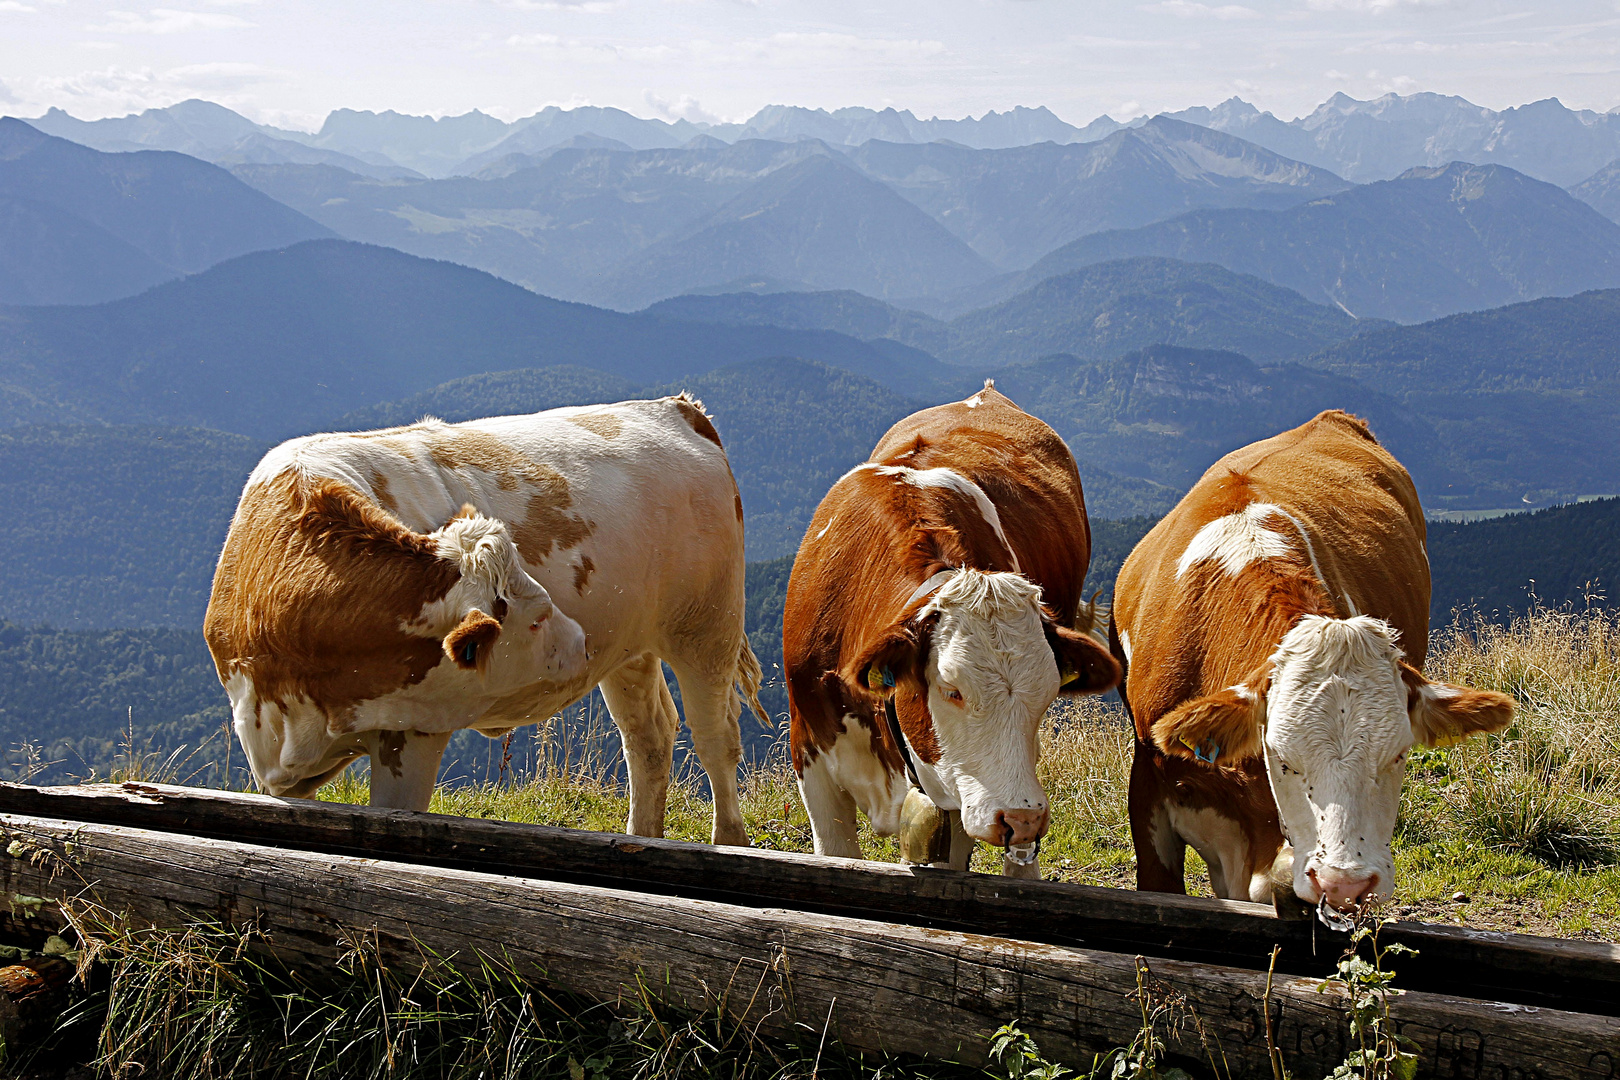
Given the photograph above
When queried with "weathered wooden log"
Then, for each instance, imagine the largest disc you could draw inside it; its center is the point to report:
(873, 985)
(33, 993)
(1513, 968)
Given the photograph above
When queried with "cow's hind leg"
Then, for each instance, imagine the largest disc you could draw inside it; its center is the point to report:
(712, 711)
(404, 767)
(638, 700)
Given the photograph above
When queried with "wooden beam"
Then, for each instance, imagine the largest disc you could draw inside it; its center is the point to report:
(1524, 970)
(876, 986)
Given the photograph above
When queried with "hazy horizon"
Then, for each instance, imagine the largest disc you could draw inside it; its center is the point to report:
(290, 62)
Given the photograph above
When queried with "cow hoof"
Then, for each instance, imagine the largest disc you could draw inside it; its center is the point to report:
(731, 837)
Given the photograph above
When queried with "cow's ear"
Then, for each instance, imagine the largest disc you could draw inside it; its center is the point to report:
(1084, 666)
(1442, 713)
(469, 643)
(1222, 728)
(886, 658)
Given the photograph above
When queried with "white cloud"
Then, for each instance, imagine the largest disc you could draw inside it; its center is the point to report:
(685, 107)
(168, 21)
(1335, 75)
(7, 97)
(1188, 9)
(116, 91)
(13, 5)
(1374, 6)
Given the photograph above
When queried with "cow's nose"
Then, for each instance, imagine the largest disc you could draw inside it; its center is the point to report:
(1021, 826)
(1342, 890)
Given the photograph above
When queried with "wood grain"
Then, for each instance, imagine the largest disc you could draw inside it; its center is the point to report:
(1519, 969)
(885, 986)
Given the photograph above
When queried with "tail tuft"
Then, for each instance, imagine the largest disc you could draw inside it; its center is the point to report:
(749, 677)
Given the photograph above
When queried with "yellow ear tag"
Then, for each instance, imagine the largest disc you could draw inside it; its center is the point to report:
(874, 679)
(1068, 675)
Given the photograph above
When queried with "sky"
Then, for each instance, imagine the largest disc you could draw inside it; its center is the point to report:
(289, 62)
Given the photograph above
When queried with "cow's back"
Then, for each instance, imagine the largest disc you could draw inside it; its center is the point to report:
(1359, 510)
(1026, 470)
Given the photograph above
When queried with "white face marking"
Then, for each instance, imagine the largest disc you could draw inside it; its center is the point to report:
(991, 675)
(953, 481)
(1337, 733)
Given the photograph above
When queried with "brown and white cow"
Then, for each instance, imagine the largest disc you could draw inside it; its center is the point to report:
(946, 572)
(1273, 627)
(379, 591)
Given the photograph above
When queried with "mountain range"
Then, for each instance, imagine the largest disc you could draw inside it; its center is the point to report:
(937, 227)
(1427, 244)
(1361, 141)
(390, 143)
(623, 228)
(1096, 313)
(1015, 205)
(277, 343)
(79, 226)
(1380, 139)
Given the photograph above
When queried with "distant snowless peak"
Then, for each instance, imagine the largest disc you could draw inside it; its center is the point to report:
(1359, 140)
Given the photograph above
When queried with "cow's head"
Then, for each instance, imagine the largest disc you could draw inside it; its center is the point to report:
(973, 666)
(1333, 712)
(405, 629)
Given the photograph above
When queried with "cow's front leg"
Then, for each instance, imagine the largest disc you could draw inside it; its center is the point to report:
(638, 700)
(404, 767)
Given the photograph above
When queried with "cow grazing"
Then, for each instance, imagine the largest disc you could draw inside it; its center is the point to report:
(945, 572)
(1273, 627)
(379, 591)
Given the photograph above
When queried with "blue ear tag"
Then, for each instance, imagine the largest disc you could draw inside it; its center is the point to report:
(469, 652)
(888, 677)
(1198, 751)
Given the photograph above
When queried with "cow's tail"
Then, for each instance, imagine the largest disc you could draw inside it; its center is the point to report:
(1093, 618)
(749, 677)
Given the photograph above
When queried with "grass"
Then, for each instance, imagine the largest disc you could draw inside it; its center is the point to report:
(1524, 824)
(200, 1002)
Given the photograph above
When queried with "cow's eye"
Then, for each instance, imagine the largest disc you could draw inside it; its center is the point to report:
(952, 695)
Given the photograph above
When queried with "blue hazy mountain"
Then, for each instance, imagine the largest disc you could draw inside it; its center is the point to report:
(213, 133)
(83, 226)
(1015, 205)
(1382, 138)
(1433, 242)
(280, 342)
(1095, 313)
(818, 221)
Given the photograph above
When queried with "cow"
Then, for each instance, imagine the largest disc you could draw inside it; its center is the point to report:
(937, 597)
(1273, 628)
(380, 590)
